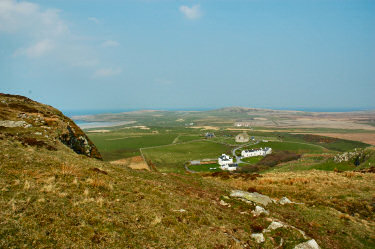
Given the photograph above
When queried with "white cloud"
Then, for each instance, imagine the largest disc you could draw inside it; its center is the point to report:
(106, 72)
(110, 43)
(28, 18)
(193, 12)
(43, 32)
(93, 19)
(36, 50)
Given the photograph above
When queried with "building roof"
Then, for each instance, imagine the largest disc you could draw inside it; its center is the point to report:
(243, 134)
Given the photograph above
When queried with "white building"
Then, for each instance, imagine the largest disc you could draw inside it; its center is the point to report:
(229, 167)
(225, 160)
(226, 163)
(256, 152)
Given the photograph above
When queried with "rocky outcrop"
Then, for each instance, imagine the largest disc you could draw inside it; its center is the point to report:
(251, 197)
(26, 120)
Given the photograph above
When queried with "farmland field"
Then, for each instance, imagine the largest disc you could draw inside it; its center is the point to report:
(205, 167)
(173, 157)
(169, 139)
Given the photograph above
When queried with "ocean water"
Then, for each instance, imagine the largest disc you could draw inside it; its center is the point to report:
(71, 113)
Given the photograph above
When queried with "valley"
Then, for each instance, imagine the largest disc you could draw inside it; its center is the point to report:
(312, 191)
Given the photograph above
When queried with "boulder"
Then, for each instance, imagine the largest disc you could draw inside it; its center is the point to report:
(274, 225)
(284, 201)
(258, 237)
(254, 197)
(259, 210)
(311, 244)
(12, 124)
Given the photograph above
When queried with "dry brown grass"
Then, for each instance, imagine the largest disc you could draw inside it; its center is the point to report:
(136, 162)
(69, 169)
(335, 204)
(348, 192)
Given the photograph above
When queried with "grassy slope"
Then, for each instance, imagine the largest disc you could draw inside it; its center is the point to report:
(60, 199)
(57, 199)
(338, 209)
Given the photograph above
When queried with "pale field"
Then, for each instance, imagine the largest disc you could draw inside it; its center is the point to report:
(313, 123)
(136, 162)
(206, 127)
(98, 131)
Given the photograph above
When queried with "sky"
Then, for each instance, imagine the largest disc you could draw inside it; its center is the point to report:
(164, 54)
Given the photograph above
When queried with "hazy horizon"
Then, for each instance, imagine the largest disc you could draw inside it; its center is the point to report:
(71, 113)
(91, 55)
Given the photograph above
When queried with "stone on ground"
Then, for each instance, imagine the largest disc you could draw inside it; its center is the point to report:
(284, 201)
(311, 244)
(258, 237)
(259, 210)
(254, 197)
(274, 225)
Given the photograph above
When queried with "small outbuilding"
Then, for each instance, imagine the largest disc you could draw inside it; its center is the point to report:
(242, 138)
(209, 135)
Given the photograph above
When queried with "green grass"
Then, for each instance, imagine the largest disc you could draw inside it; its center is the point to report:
(335, 144)
(187, 138)
(252, 160)
(173, 157)
(205, 167)
(117, 146)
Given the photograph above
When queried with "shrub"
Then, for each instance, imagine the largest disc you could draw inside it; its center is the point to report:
(278, 157)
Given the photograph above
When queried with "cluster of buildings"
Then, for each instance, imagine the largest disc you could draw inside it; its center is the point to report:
(226, 163)
(256, 152)
(242, 124)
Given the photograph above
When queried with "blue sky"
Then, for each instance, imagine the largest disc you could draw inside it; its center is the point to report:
(112, 54)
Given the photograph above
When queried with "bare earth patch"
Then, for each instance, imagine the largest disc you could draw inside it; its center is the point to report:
(206, 127)
(98, 131)
(136, 162)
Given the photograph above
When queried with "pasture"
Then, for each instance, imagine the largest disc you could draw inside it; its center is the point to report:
(171, 158)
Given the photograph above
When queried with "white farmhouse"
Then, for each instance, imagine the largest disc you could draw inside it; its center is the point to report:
(226, 163)
(256, 152)
(225, 160)
(229, 167)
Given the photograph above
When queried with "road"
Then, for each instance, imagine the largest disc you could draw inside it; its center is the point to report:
(238, 158)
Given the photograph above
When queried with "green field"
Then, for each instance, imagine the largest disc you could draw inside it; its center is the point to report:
(252, 160)
(180, 143)
(172, 157)
(205, 167)
(116, 148)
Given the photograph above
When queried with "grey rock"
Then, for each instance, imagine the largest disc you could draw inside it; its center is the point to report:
(273, 226)
(254, 197)
(284, 201)
(259, 210)
(12, 124)
(258, 237)
(311, 244)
